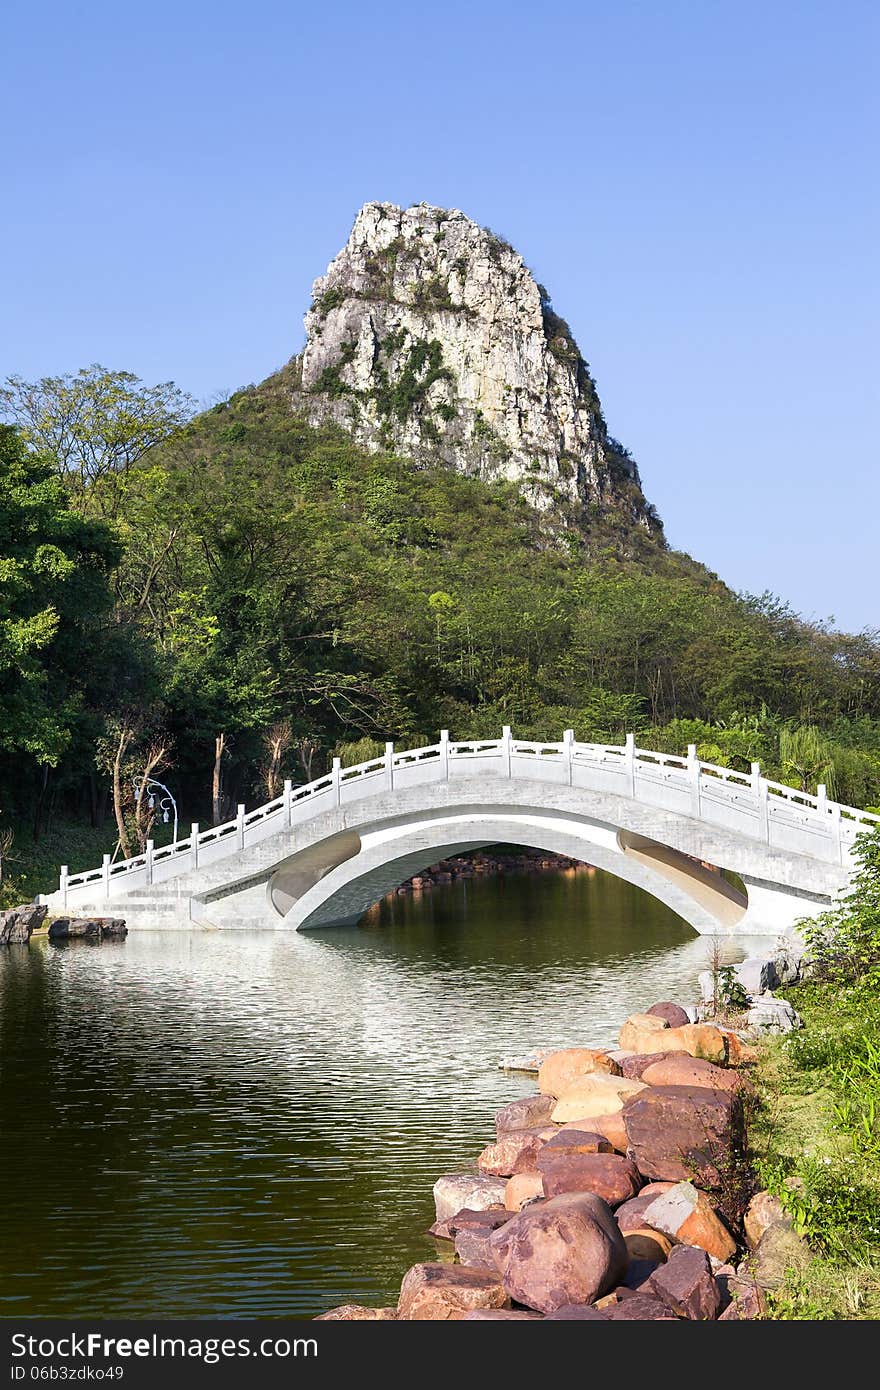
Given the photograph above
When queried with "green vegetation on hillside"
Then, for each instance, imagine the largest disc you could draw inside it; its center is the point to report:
(269, 592)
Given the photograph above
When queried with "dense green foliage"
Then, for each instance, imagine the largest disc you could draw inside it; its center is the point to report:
(270, 574)
(820, 1136)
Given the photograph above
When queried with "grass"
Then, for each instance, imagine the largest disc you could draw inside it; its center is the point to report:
(816, 1145)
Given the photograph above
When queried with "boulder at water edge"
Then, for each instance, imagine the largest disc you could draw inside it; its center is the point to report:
(592, 1096)
(680, 1069)
(356, 1312)
(515, 1151)
(567, 1249)
(525, 1113)
(674, 1014)
(17, 923)
(560, 1069)
(456, 1191)
(522, 1188)
(445, 1292)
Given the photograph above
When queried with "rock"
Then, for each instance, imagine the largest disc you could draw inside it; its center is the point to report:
(686, 1285)
(576, 1312)
(674, 1014)
(680, 1069)
(639, 1307)
(516, 1151)
(610, 1176)
(779, 1250)
(654, 1189)
(471, 1231)
(742, 1299)
(527, 1061)
(638, 1272)
(688, 1216)
(771, 1015)
(789, 962)
(577, 1141)
(561, 1069)
(445, 1292)
(567, 1249)
(424, 289)
(630, 1215)
(611, 1126)
(762, 1212)
(639, 1033)
(522, 1188)
(63, 928)
(525, 1113)
(756, 974)
(439, 1230)
(646, 1245)
(17, 923)
(635, 1063)
(680, 1132)
(501, 1315)
(355, 1312)
(592, 1096)
(456, 1191)
(471, 1219)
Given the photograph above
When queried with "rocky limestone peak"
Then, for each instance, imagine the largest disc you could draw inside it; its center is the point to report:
(430, 336)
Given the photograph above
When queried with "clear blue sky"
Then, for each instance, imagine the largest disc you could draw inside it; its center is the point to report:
(694, 180)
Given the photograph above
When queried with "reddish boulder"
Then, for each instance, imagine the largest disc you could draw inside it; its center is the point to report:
(355, 1312)
(576, 1312)
(455, 1191)
(636, 1063)
(682, 1132)
(524, 1113)
(514, 1151)
(470, 1220)
(565, 1250)
(611, 1126)
(560, 1069)
(680, 1069)
(523, 1188)
(501, 1315)
(686, 1285)
(742, 1299)
(610, 1176)
(674, 1014)
(472, 1230)
(577, 1141)
(445, 1292)
(688, 1217)
(639, 1307)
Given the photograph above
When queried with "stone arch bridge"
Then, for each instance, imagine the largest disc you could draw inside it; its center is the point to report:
(322, 854)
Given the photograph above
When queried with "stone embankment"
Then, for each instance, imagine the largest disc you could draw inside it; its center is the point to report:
(481, 865)
(620, 1190)
(17, 925)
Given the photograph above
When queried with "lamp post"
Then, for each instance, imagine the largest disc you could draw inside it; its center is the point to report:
(160, 799)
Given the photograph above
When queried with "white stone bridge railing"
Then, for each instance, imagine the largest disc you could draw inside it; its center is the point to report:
(745, 803)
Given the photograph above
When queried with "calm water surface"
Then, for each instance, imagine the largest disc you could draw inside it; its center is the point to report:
(236, 1125)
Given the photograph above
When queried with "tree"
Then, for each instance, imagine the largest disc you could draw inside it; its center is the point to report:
(95, 424)
(54, 598)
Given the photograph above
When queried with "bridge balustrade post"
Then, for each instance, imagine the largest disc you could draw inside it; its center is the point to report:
(62, 884)
(693, 768)
(837, 833)
(288, 803)
(567, 746)
(148, 861)
(762, 798)
(444, 755)
(239, 825)
(389, 767)
(506, 738)
(629, 762)
(105, 874)
(337, 781)
(194, 845)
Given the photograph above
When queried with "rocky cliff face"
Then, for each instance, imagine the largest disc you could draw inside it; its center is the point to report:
(429, 335)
